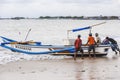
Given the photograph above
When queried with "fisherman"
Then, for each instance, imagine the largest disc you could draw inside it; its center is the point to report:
(97, 38)
(91, 43)
(113, 44)
(78, 44)
(105, 42)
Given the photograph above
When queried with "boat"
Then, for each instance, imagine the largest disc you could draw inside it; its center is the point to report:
(34, 48)
(30, 47)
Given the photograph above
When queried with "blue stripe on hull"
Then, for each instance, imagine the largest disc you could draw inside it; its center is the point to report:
(70, 49)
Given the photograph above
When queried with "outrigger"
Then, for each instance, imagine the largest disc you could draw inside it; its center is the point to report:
(31, 47)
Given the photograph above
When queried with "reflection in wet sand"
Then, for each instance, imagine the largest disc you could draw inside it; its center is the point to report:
(100, 68)
(104, 68)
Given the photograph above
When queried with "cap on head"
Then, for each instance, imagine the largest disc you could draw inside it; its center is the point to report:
(79, 36)
(90, 34)
(107, 37)
(96, 34)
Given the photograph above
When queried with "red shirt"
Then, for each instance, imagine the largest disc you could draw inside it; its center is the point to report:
(78, 43)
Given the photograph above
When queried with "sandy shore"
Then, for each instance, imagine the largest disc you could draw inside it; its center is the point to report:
(103, 68)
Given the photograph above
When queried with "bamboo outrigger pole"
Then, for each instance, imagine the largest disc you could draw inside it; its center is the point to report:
(96, 25)
(89, 27)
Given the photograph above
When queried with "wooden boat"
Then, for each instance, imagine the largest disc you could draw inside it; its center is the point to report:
(29, 47)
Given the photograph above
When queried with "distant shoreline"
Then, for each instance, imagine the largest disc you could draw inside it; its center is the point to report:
(55, 19)
(69, 17)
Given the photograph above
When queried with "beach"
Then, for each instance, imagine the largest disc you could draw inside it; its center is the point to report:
(20, 66)
(100, 68)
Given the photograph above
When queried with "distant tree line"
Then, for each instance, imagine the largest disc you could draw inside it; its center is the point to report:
(61, 17)
(17, 18)
(71, 17)
(104, 17)
(81, 17)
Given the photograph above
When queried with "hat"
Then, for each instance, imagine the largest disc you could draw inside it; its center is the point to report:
(79, 35)
(96, 34)
(90, 34)
(107, 37)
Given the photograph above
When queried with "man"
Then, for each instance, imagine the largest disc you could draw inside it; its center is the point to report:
(105, 42)
(91, 43)
(98, 39)
(78, 44)
(113, 44)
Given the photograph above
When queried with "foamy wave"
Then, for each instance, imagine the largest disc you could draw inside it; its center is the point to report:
(6, 57)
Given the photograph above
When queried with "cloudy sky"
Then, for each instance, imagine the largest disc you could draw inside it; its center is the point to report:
(36, 8)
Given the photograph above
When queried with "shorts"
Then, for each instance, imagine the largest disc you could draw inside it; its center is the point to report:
(91, 47)
(114, 47)
(79, 49)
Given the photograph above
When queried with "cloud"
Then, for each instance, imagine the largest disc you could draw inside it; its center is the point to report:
(15, 1)
(58, 1)
(87, 1)
(36, 8)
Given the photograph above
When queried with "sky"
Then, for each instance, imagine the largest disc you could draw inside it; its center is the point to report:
(37, 8)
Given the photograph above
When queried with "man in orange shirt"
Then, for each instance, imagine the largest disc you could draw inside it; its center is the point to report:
(91, 43)
(78, 44)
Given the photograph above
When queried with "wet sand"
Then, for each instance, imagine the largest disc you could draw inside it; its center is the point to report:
(100, 68)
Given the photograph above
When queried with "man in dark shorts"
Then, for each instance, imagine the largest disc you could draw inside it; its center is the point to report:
(113, 44)
(91, 43)
(78, 44)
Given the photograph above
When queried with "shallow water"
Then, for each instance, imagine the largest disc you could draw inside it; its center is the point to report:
(54, 31)
(51, 32)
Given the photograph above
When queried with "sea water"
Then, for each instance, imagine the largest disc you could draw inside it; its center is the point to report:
(51, 32)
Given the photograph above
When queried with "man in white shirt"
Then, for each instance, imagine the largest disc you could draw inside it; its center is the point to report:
(97, 38)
